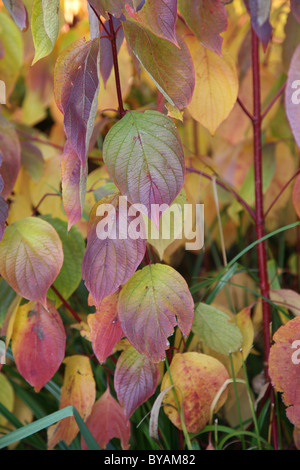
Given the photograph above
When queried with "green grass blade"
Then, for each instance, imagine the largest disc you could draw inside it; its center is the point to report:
(47, 421)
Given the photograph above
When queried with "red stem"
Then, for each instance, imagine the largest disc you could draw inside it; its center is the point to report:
(260, 218)
(66, 304)
(116, 66)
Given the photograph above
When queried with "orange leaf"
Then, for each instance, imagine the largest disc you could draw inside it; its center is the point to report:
(284, 362)
(79, 390)
(106, 421)
(199, 378)
(105, 327)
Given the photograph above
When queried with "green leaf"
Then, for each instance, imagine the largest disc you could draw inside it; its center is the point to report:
(144, 156)
(151, 304)
(12, 56)
(170, 67)
(73, 248)
(31, 257)
(215, 329)
(44, 26)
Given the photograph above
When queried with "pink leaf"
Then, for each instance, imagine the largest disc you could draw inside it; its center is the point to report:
(105, 327)
(10, 150)
(38, 343)
(284, 362)
(135, 380)
(159, 16)
(151, 304)
(73, 185)
(207, 19)
(107, 421)
(112, 256)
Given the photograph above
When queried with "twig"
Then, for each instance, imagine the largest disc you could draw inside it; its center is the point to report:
(270, 105)
(227, 188)
(281, 191)
(66, 304)
(244, 109)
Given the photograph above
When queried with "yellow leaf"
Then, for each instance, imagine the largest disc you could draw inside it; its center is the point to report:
(7, 397)
(216, 86)
(197, 379)
(78, 390)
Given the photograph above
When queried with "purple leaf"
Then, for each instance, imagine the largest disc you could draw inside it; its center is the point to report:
(10, 150)
(19, 13)
(76, 87)
(159, 16)
(135, 379)
(295, 7)
(73, 185)
(3, 215)
(259, 10)
(112, 254)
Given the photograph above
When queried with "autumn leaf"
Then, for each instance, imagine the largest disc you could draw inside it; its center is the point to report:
(38, 343)
(214, 328)
(73, 185)
(259, 11)
(170, 68)
(76, 87)
(216, 85)
(159, 16)
(207, 19)
(107, 421)
(105, 327)
(7, 397)
(197, 379)
(18, 11)
(10, 151)
(151, 304)
(78, 390)
(135, 379)
(113, 251)
(31, 257)
(148, 167)
(284, 367)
